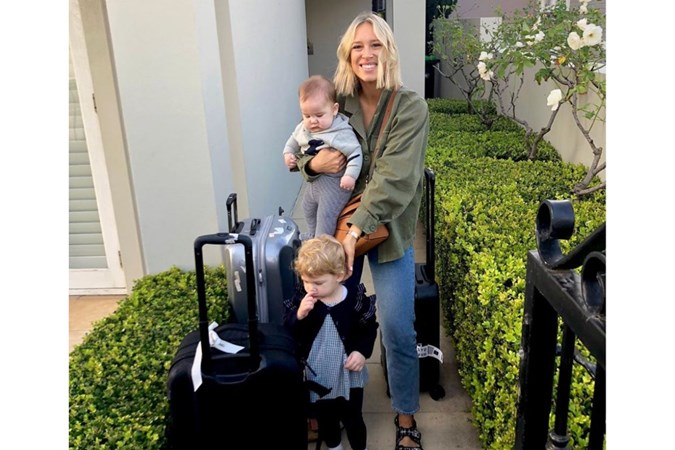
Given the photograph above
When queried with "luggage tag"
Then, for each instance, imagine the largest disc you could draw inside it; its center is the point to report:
(424, 351)
(215, 342)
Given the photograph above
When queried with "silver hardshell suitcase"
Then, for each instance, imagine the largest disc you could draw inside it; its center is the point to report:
(276, 239)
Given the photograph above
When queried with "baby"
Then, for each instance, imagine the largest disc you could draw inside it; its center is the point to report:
(323, 126)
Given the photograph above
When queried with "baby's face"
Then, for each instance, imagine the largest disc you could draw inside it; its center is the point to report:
(317, 113)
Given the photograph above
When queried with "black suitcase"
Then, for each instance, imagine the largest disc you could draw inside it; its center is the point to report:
(427, 307)
(255, 398)
(276, 239)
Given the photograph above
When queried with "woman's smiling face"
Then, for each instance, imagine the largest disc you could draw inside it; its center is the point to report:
(365, 53)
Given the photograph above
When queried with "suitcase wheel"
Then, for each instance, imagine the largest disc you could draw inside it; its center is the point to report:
(437, 392)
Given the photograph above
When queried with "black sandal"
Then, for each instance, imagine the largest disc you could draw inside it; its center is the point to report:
(412, 432)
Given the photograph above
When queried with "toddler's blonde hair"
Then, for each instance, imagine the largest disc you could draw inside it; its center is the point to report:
(319, 256)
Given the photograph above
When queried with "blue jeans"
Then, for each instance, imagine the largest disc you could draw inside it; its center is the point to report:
(394, 284)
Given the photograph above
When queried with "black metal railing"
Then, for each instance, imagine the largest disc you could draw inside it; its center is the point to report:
(555, 290)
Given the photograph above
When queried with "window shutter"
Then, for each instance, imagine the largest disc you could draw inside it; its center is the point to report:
(86, 250)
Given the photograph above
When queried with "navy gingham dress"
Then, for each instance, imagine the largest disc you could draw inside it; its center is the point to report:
(327, 359)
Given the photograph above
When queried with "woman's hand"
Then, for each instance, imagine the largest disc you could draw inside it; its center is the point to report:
(328, 160)
(349, 246)
(355, 361)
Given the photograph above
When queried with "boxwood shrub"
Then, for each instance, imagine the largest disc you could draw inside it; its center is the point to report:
(469, 123)
(454, 106)
(118, 374)
(495, 144)
(487, 199)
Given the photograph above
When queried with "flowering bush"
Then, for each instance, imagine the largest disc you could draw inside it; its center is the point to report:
(457, 46)
(567, 46)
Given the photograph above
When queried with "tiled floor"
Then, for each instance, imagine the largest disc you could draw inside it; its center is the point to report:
(445, 424)
(84, 310)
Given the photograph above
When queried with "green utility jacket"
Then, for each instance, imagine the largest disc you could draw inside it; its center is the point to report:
(394, 193)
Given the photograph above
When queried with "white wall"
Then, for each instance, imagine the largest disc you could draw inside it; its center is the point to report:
(269, 61)
(564, 134)
(466, 9)
(218, 138)
(326, 21)
(160, 89)
(208, 97)
(102, 69)
(407, 19)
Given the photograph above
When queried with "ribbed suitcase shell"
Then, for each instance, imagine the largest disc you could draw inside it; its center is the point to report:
(276, 239)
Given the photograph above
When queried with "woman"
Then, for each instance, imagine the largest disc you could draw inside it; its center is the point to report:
(368, 72)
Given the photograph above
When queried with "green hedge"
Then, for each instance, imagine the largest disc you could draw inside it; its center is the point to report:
(118, 373)
(485, 217)
(444, 123)
(453, 106)
(495, 144)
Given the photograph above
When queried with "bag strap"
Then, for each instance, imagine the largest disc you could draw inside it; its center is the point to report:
(385, 119)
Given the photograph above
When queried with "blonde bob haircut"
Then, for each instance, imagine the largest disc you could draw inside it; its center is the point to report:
(319, 256)
(388, 67)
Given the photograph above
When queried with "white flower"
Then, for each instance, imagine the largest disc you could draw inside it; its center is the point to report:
(486, 75)
(553, 99)
(519, 44)
(574, 41)
(484, 55)
(539, 36)
(592, 35)
(582, 24)
(583, 9)
(535, 27)
(483, 72)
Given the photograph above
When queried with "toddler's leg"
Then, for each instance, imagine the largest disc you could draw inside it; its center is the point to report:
(328, 416)
(352, 418)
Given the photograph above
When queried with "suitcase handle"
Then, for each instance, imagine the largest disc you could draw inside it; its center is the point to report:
(255, 225)
(232, 201)
(430, 178)
(223, 239)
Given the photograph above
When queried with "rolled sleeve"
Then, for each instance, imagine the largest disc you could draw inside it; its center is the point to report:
(304, 169)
